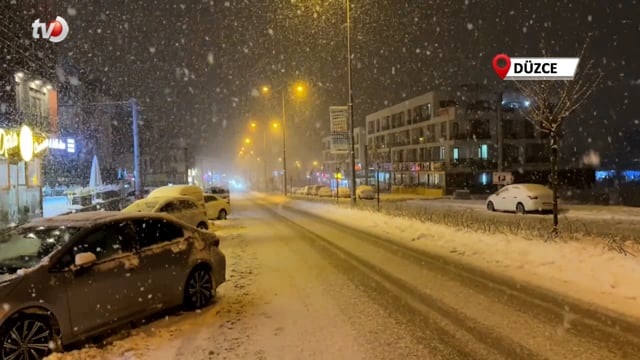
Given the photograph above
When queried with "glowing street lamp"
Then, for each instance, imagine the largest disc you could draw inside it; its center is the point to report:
(247, 141)
(299, 89)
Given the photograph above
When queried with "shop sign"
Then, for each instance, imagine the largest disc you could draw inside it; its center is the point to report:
(24, 141)
(57, 144)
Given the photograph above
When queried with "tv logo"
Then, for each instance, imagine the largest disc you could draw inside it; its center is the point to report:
(56, 30)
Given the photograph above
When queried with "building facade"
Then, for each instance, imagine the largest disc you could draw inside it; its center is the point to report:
(436, 140)
(28, 108)
(95, 122)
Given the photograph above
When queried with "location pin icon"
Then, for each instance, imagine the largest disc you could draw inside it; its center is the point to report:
(502, 71)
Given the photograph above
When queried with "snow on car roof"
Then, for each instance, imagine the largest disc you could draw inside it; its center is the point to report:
(90, 218)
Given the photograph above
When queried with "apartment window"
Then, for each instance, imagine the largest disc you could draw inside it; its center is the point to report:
(371, 126)
(456, 154)
(443, 130)
(483, 152)
(377, 125)
(455, 129)
(409, 118)
(417, 114)
(443, 151)
(426, 111)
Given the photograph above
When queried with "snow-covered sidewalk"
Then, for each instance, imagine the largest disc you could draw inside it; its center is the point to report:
(583, 270)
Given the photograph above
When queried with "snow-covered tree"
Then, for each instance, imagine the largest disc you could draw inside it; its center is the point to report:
(552, 102)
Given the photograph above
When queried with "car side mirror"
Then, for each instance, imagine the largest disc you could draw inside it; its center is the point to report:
(85, 259)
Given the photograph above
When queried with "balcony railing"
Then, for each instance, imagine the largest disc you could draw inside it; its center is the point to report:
(470, 135)
(474, 164)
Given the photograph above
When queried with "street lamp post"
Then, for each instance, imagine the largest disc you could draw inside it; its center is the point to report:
(264, 156)
(284, 145)
(284, 89)
(136, 150)
(350, 105)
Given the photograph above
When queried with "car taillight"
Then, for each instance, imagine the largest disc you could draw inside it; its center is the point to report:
(533, 197)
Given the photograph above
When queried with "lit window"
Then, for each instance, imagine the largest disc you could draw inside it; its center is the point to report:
(483, 152)
(456, 154)
(71, 145)
(442, 152)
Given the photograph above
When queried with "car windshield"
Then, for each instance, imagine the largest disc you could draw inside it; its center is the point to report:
(25, 247)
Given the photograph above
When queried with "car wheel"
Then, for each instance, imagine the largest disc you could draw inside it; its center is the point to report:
(203, 226)
(520, 209)
(199, 289)
(490, 206)
(222, 215)
(27, 336)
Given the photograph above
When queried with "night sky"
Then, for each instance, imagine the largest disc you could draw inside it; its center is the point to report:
(195, 65)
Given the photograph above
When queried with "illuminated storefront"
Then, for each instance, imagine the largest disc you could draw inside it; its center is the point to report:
(21, 153)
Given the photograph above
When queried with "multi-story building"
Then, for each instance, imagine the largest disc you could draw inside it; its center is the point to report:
(439, 141)
(175, 165)
(341, 163)
(98, 123)
(28, 108)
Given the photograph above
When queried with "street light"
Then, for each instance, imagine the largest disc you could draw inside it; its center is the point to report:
(350, 105)
(299, 89)
(254, 125)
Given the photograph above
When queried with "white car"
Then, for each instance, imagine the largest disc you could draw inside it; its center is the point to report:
(342, 192)
(365, 192)
(217, 207)
(183, 208)
(521, 198)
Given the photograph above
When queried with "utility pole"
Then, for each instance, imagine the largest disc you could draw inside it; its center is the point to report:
(186, 165)
(136, 150)
(264, 155)
(500, 132)
(284, 146)
(350, 105)
(378, 185)
(366, 165)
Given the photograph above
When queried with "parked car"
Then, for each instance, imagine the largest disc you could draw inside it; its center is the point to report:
(217, 207)
(521, 198)
(181, 207)
(219, 191)
(312, 190)
(192, 191)
(324, 191)
(365, 192)
(71, 277)
(342, 192)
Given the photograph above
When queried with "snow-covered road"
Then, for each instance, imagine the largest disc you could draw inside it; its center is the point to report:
(301, 287)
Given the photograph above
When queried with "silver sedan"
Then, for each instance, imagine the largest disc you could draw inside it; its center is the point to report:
(70, 277)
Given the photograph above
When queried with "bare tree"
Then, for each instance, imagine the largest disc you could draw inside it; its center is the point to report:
(551, 103)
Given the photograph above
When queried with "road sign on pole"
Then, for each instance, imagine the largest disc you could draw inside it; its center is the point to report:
(338, 115)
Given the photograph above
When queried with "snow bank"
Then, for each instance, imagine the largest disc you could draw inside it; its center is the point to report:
(584, 270)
